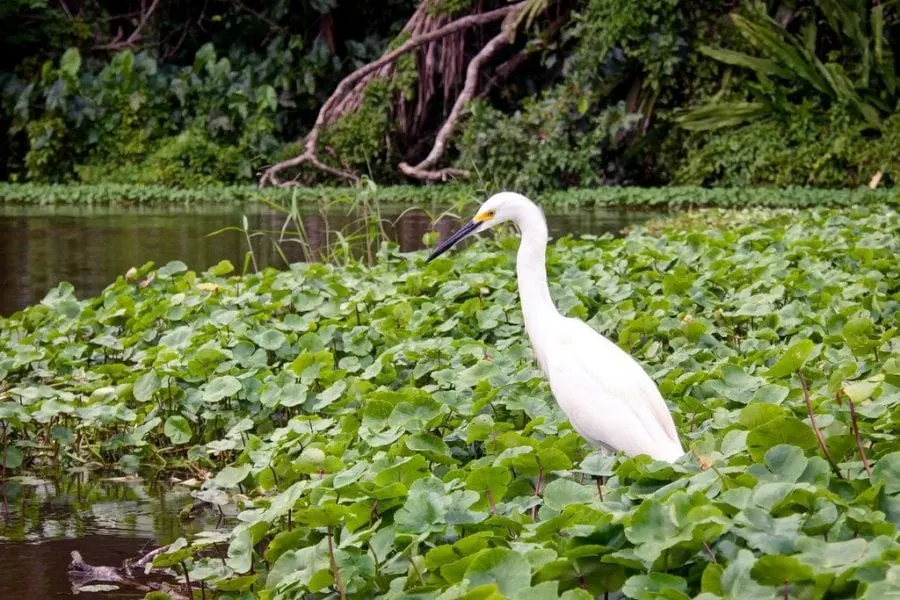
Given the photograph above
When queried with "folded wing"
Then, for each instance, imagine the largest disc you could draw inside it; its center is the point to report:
(608, 397)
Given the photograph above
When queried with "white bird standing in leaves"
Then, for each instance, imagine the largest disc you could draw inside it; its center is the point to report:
(608, 397)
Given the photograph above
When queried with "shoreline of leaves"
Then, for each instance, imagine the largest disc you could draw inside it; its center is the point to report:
(389, 435)
(676, 197)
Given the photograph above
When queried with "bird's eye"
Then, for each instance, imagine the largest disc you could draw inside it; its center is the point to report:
(485, 216)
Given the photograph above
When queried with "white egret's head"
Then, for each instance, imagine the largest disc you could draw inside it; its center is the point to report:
(499, 208)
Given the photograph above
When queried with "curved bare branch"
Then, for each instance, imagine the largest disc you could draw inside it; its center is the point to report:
(424, 170)
(309, 154)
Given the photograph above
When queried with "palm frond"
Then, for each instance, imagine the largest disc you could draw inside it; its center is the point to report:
(764, 66)
(709, 117)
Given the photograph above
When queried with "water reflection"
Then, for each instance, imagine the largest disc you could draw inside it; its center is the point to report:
(90, 246)
(106, 521)
(37, 510)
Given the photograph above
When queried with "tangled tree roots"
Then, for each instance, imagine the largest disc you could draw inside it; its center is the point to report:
(426, 31)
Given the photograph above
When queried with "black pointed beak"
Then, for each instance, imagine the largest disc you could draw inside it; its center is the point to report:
(464, 232)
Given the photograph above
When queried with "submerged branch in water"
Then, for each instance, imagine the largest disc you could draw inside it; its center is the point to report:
(82, 574)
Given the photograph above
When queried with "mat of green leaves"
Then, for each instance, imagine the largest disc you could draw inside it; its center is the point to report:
(609, 196)
(387, 434)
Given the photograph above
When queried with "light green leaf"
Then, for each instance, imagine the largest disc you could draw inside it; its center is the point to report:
(777, 570)
(560, 493)
(145, 386)
(220, 388)
(178, 430)
(860, 391)
(270, 339)
(654, 586)
(509, 570)
(70, 63)
(792, 359)
(887, 471)
(230, 477)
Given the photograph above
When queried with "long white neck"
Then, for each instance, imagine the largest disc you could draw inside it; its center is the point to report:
(531, 271)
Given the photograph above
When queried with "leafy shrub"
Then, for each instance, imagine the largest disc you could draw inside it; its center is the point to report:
(622, 67)
(50, 150)
(805, 148)
(849, 63)
(613, 33)
(187, 160)
(359, 139)
(821, 101)
(549, 143)
(134, 121)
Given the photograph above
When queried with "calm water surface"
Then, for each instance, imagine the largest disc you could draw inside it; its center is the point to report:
(107, 521)
(90, 246)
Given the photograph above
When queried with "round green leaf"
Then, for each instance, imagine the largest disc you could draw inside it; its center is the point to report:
(508, 570)
(221, 387)
(178, 430)
(559, 493)
(776, 570)
(270, 339)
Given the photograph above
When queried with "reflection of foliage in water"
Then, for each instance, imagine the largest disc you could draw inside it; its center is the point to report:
(77, 505)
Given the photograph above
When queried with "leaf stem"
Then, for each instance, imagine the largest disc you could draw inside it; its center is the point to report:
(342, 592)
(815, 426)
(490, 498)
(854, 425)
(5, 444)
(187, 579)
(709, 551)
(537, 492)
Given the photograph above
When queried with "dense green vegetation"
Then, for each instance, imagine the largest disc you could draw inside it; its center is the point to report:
(590, 92)
(668, 197)
(389, 436)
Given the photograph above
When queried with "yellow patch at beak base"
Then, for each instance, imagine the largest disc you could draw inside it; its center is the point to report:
(482, 217)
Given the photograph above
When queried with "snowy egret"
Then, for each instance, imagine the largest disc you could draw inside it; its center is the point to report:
(608, 397)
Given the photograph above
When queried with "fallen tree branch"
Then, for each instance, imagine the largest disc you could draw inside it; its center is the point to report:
(507, 68)
(146, 559)
(352, 100)
(309, 154)
(82, 574)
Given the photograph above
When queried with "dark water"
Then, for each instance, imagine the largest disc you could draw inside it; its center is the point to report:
(90, 246)
(106, 521)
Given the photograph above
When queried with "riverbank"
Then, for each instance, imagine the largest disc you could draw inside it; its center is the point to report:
(630, 197)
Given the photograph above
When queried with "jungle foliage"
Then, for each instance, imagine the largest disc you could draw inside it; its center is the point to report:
(385, 431)
(592, 92)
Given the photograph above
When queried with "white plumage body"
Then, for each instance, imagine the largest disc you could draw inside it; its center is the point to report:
(606, 395)
(609, 399)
